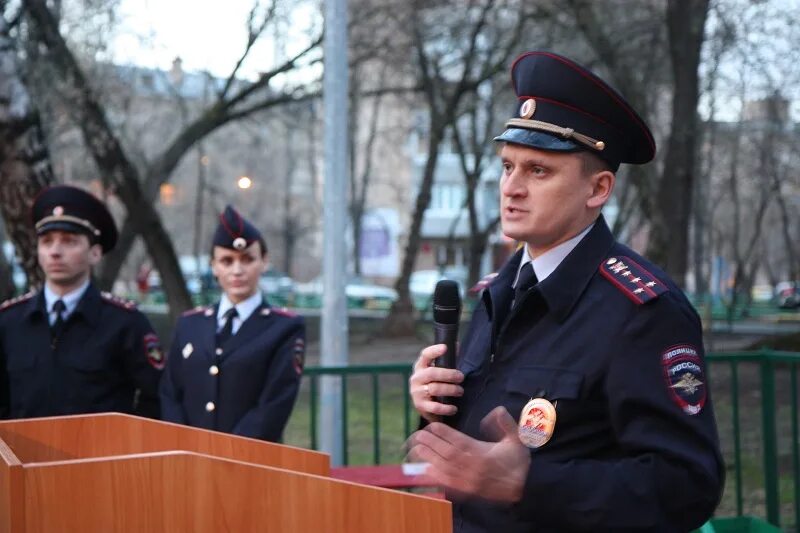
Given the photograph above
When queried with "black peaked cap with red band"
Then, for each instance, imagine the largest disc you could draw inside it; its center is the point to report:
(572, 109)
(68, 208)
(235, 232)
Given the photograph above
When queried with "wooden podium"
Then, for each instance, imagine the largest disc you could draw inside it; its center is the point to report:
(120, 473)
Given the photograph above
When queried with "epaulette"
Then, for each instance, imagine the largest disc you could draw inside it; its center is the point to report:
(483, 283)
(639, 285)
(17, 300)
(282, 311)
(196, 310)
(117, 301)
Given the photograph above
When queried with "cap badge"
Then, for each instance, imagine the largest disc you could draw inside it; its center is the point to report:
(58, 211)
(239, 243)
(528, 108)
(537, 422)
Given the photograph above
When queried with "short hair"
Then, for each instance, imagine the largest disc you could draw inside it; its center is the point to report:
(593, 164)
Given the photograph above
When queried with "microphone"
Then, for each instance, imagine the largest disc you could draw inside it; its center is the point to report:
(446, 315)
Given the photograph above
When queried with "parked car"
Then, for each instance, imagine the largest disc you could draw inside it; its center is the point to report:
(278, 287)
(422, 283)
(787, 294)
(360, 294)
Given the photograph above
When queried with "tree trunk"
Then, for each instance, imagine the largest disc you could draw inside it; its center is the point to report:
(24, 160)
(669, 238)
(110, 158)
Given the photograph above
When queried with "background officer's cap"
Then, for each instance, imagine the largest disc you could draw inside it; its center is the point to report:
(235, 232)
(67, 208)
(564, 107)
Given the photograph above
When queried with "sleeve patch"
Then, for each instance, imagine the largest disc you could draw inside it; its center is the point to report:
(684, 376)
(299, 355)
(153, 351)
(639, 285)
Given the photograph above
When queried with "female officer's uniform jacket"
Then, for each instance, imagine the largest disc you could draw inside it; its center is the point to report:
(247, 386)
(616, 347)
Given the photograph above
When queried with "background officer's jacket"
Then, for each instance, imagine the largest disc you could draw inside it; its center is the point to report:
(106, 352)
(249, 388)
(624, 456)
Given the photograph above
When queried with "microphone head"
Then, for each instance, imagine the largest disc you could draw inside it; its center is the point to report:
(446, 302)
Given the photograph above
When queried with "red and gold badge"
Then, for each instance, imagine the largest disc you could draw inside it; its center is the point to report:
(537, 422)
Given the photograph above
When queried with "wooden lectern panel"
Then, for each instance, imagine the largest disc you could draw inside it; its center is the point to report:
(189, 492)
(11, 496)
(38, 440)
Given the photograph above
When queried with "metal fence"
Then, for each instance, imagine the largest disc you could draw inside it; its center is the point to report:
(755, 395)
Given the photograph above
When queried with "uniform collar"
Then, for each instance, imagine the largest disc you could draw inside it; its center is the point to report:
(545, 264)
(562, 289)
(244, 308)
(88, 305)
(70, 299)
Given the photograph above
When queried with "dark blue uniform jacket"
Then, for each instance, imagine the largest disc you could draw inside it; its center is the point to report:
(249, 387)
(107, 359)
(635, 445)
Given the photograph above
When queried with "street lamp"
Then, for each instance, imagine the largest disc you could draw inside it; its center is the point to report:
(244, 182)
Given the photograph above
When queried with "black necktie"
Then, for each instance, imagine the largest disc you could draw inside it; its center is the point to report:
(227, 329)
(58, 326)
(526, 280)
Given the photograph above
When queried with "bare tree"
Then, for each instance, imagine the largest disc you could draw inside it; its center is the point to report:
(234, 100)
(452, 61)
(24, 160)
(669, 236)
(473, 153)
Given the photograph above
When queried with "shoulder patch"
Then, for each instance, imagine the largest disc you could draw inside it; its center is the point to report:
(195, 311)
(639, 285)
(282, 311)
(153, 351)
(684, 377)
(117, 301)
(484, 282)
(17, 300)
(299, 355)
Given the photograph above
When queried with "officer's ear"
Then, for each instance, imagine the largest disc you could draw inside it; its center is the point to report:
(95, 254)
(602, 183)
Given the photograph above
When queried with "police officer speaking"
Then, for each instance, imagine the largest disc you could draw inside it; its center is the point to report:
(236, 366)
(69, 348)
(582, 401)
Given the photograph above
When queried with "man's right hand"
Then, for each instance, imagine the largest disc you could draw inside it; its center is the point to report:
(429, 382)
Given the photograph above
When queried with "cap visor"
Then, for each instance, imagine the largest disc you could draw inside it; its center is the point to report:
(538, 139)
(62, 225)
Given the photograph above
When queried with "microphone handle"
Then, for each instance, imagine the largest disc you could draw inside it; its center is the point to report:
(446, 334)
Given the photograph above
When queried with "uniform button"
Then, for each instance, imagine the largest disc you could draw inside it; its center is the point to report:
(219, 351)
(214, 370)
(210, 406)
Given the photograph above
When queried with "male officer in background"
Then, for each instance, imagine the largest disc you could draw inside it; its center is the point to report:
(68, 348)
(236, 366)
(582, 402)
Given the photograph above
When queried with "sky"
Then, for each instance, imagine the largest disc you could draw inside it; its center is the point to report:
(206, 34)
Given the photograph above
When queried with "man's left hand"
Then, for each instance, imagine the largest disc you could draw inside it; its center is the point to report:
(466, 467)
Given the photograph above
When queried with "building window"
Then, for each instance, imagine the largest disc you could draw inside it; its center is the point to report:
(447, 197)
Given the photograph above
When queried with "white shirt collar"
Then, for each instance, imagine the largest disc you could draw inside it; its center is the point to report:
(545, 264)
(244, 308)
(70, 299)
